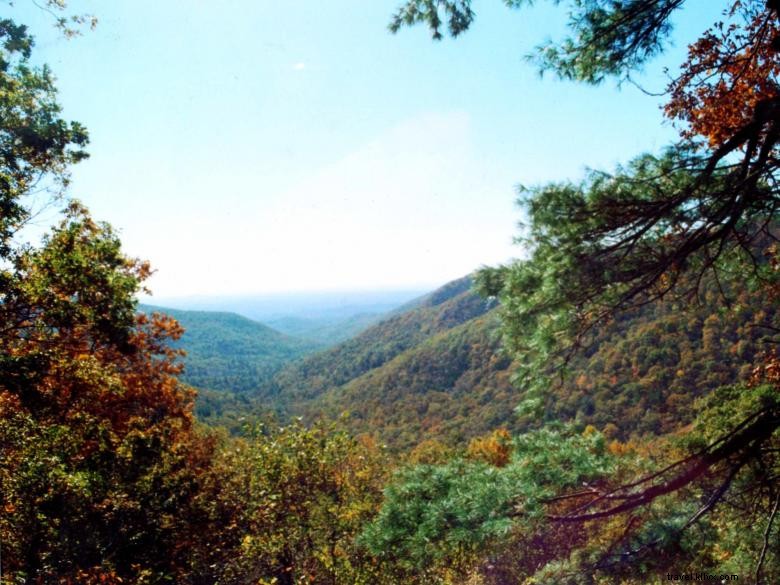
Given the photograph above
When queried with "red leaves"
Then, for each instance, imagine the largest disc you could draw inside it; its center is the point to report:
(729, 71)
(97, 435)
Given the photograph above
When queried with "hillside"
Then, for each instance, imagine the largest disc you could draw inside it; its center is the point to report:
(644, 371)
(436, 370)
(453, 386)
(305, 380)
(324, 331)
(228, 352)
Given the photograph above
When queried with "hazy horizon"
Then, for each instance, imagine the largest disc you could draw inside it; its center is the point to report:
(313, 305)
(261, 146)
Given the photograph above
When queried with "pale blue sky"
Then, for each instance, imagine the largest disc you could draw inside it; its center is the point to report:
(253, 146)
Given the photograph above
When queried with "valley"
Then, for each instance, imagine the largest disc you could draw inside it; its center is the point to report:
(325, 390)
(434, 369)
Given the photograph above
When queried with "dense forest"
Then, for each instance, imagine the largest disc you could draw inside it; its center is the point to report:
(228, 352)
(435, 370)
(604, 410)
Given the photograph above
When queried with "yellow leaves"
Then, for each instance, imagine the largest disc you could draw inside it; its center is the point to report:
(495, 448)
(302, 495)
(430, 452)
(618, 448)
(722, 554)
(9, 403)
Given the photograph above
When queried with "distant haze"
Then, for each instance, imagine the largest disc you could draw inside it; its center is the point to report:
(327, 305)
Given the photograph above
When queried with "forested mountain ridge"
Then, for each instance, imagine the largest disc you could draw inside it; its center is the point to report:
(304, 380)
(437, 370)
(438, 296)
(228, 352)
(452, 387)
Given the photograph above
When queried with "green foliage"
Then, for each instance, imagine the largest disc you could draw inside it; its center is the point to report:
(235, 413)
(37, 145)
(608, 38)
(582, 271)
(463, 520)
(449, 516)
(229, 352)
(457, 13)
(442, 515)
(301, 495)
(375, 347)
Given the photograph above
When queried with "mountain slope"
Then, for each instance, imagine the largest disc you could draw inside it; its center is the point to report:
(453, 386)
(229, 352)
(326, 332)
(437, 370)
(307, 379)
(645, 370)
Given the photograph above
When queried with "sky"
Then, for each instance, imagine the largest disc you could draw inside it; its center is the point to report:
(257, 146)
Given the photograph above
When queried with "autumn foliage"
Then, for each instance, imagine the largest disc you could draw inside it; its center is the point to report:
(93, 421)
(731, 69)
(662, 448)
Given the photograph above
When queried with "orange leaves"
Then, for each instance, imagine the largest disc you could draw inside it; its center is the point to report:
(729, 71)
(97, 434)
(767, 372)
(9, 403)
(495, 448)
(94, 576)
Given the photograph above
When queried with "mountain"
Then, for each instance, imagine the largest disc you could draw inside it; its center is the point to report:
(453, 386)
(326, 318)
(434, 369)
(228, 352)
(419, 372)
(325, 331)
(308, 378)
(441, 295)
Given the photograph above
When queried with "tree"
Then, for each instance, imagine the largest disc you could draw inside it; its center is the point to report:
(703, 212)
(99, 454)
(636, 231)
(99, 458)
(303, 495)
(37, 146)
